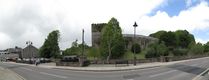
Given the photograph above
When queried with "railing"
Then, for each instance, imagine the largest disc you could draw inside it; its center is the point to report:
(148, 60)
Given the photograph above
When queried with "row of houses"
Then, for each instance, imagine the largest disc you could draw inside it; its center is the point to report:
(14, 53)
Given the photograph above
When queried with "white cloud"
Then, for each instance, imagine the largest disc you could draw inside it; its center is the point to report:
(34, 19)
(188, 3)
(191, 19)
(5, 41)
(201, 40)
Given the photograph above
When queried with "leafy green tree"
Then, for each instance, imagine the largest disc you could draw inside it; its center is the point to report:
(112, 42)
(158, 34)
(75, 49)
(184, 38)
(137, 48)
(197, 49)
(179, 38)
(170, 39)
(178, 42)
(150, 53)
(162, 50)
(50, 48)
(71, 51)
(180, 51)
(93, 52)
(156, 50)
(75, 43)
(206, 47)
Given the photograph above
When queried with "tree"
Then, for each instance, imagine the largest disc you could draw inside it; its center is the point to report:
(93, 52)
(162, 50)
(150, 53)
(179, 38)
(184, 38)
(178, 42)
(206, 47)
(50, 48)
(75, 49)
(158, 34)
(75, 43)
(180, 52)
(112, 42)
(156, 50)
(137, 48)
(197, 49)
(169, 38)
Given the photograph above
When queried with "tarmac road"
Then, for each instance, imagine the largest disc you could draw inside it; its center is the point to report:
(180, 71)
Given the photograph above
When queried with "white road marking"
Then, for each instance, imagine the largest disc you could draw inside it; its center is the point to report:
(27, 69)
(198, 77)
(59, 76)
(162, 73)
(129, 79)
(46, 73)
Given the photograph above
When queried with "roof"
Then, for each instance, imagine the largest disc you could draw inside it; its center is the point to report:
(31, 46)
(141, 36)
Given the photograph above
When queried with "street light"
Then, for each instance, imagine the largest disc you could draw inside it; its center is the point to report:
(82, 54)
(135, 25)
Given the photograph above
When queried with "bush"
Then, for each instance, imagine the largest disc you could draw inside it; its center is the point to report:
(86, 63)
(180, 52)
(137, 48)
(151, 53)
(197, 49)
(156, 50)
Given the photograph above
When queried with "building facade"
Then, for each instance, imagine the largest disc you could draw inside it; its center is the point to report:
(13, 53)
(29, 52)
(142, 40)
(10, 53)
(96, 33)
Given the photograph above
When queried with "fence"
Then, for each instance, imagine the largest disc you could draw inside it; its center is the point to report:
(148, 60)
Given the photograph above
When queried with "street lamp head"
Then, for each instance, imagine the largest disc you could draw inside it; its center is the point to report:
(29, 43)
(135, 25)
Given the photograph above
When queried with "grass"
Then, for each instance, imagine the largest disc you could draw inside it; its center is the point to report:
(130, 55)
(127, 55)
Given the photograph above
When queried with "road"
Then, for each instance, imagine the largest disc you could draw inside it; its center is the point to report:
(181, 71)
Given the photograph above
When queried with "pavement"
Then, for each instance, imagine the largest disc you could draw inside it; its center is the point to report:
(6, 74)
(178, 70)
(111, 67)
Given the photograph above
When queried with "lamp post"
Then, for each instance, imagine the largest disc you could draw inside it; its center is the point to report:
(83, 43)
(135, 25)
(82, 54)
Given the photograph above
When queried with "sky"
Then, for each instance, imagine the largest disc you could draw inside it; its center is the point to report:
(32, 20)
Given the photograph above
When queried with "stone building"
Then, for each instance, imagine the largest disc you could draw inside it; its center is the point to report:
(29, 52)
(10, 53)
(96, 33)
(140, 39)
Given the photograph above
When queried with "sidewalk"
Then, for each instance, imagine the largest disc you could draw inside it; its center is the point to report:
(103, 68)
(6, 74)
